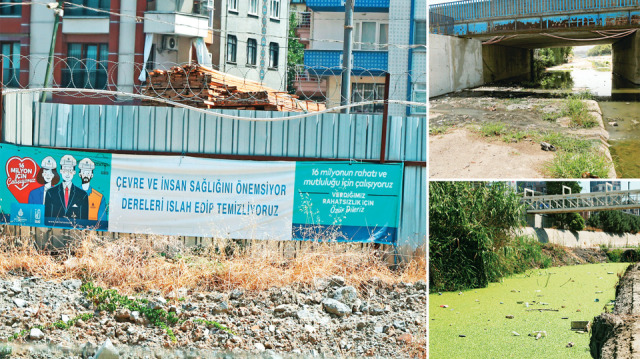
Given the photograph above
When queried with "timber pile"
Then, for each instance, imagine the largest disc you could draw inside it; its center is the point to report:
(203, 87)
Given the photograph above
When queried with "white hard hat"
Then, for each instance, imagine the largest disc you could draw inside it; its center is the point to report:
(86, 164)
(67, 160)
(48, 163)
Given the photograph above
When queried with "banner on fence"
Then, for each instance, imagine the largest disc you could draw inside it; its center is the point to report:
(178, 195)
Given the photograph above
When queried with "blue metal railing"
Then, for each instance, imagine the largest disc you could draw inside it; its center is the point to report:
(465, 10)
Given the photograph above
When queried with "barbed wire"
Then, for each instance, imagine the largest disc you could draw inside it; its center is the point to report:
(212, 111)
(311, 83)
(222, 32)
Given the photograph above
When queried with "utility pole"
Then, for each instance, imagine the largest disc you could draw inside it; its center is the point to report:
(57, 14)
(345, 89)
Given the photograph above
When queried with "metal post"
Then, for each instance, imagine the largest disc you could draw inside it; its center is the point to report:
(345, 88)
(385, 117)
(47, 74)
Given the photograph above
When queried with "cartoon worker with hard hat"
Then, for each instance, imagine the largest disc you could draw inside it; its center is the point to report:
(67, 199)
(47, 176)
(96, 199)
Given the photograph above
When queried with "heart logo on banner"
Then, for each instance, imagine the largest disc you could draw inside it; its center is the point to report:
(21, 177)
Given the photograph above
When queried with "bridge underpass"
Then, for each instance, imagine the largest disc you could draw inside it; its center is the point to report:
(481, 41)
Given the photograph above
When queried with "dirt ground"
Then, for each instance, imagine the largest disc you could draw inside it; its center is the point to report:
(464, 154)
(460, 152)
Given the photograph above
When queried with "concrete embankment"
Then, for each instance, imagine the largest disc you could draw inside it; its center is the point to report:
(582, 239)
(614, 335)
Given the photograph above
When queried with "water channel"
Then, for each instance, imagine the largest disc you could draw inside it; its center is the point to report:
(619, 101)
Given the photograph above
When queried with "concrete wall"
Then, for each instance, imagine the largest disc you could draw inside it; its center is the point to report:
(626, 58)
(503, 62)
(454, 64)
(582, 239)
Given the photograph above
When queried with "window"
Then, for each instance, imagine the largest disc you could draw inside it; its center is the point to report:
(419, 95)
(232, 48)
(370, 35)
(11, 10)
(274, 10)
(210, 11)
(86, 66)
(72, 10)
(252, 52)
(273, 55)
(253, 7)
(11, 63)
(420, 33)
(367, 92)
(232, 5)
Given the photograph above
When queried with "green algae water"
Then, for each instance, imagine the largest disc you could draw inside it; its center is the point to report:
(625, 137)
(576, 292)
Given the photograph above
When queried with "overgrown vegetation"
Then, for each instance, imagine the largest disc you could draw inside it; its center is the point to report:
(134, 263)
(60, 324)
(471, 235)
(599, 50)
(575, 158)
(295, 53)
(578, 112)
(438, 130)
(615, 222)
(572, 221)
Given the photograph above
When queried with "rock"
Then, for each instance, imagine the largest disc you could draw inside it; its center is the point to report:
(259, 346)
(88, 349)
(123, 315)
(236, 294)
(335, 307)
(336, 281)
(306, 316)
(406, 338)
(65, 318)
(16, 287)
(73, 284)
(107, 351)
(222, 307)
(570, 344)
(421, 285)
(399, 324)
(36, 334)
(613, 123)
(309, 328)
(346, 295)
(285, 310)
(20, 303)
(515, 334)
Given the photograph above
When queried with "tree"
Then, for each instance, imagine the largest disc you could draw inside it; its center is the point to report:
(570, 221)
(295, 54)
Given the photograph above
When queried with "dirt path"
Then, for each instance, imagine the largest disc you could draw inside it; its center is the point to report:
(463, 154)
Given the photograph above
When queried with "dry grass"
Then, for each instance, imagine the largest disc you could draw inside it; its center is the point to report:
(139, 263)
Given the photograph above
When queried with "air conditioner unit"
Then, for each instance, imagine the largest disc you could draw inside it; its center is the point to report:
(170, 43)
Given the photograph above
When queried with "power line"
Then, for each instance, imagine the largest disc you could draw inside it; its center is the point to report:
(139, 19)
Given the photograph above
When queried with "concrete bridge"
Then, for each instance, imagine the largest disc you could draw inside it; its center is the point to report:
(491, 40)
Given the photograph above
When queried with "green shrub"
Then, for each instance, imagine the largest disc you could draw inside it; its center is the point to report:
(575, 164)
(491, 129)
(471, 238)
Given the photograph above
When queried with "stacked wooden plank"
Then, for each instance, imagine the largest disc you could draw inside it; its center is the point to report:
(204, 87)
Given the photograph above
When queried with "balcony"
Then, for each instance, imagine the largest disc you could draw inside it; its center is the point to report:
(303, 28)
(338, 5)
(177, 17)
(308, 86)
(329, 62)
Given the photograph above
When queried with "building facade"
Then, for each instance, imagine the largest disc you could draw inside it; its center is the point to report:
(604, 186)
(107, 44)
(385, 34)
(252, 41)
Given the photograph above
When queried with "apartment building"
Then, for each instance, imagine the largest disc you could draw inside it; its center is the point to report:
(377, 25)
(252, 41)
(106, 44)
